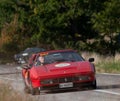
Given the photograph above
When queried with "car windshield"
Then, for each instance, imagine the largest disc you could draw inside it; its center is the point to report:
(63, 56)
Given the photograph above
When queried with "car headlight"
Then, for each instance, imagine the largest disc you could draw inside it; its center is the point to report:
(24, 54)
(84, 78)
(48, 81)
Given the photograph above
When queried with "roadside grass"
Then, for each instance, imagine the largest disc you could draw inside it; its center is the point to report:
(108, 67)
(107, 64)
(8, 94)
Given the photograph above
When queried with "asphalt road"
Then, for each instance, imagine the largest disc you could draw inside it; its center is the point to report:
(108, 87)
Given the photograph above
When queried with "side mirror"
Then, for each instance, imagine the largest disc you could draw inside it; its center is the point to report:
(91, 59)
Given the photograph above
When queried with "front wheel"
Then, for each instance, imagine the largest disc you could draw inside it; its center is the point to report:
(33, 91)
(30, 90)
(28, 86)
(94, 84)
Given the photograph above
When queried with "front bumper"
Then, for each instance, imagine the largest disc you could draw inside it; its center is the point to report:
(75, 85)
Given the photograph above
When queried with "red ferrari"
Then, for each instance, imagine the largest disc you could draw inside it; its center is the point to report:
(62, 69)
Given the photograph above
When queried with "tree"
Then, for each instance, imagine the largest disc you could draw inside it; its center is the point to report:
(107, 23)
(7, 19)
(69, 19)
(82, 24)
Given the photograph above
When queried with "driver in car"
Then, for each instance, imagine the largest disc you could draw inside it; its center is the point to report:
(40, 61)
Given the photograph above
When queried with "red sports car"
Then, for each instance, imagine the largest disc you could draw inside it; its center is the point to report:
(62, 69)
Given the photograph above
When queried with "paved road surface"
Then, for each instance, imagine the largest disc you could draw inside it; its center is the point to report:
(108, 88)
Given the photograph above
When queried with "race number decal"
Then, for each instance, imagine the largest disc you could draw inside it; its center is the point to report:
(62, 65)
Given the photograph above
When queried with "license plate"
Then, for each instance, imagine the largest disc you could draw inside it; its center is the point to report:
(66, 85)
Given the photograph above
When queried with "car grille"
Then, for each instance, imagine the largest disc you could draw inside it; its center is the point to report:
(72, 79)
(65, 79)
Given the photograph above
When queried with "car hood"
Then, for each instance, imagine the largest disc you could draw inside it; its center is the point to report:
(61, 69)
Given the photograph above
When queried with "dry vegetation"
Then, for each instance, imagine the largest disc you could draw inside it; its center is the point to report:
(104, 63)
(8, 94)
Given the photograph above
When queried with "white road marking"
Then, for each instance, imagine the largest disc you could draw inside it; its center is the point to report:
(105, 91)
(109, 74)
(108, 92)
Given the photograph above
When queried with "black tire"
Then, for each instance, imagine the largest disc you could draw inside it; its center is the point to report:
(26, 87)
(32, 90)
(94, 84)
(29, 88)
